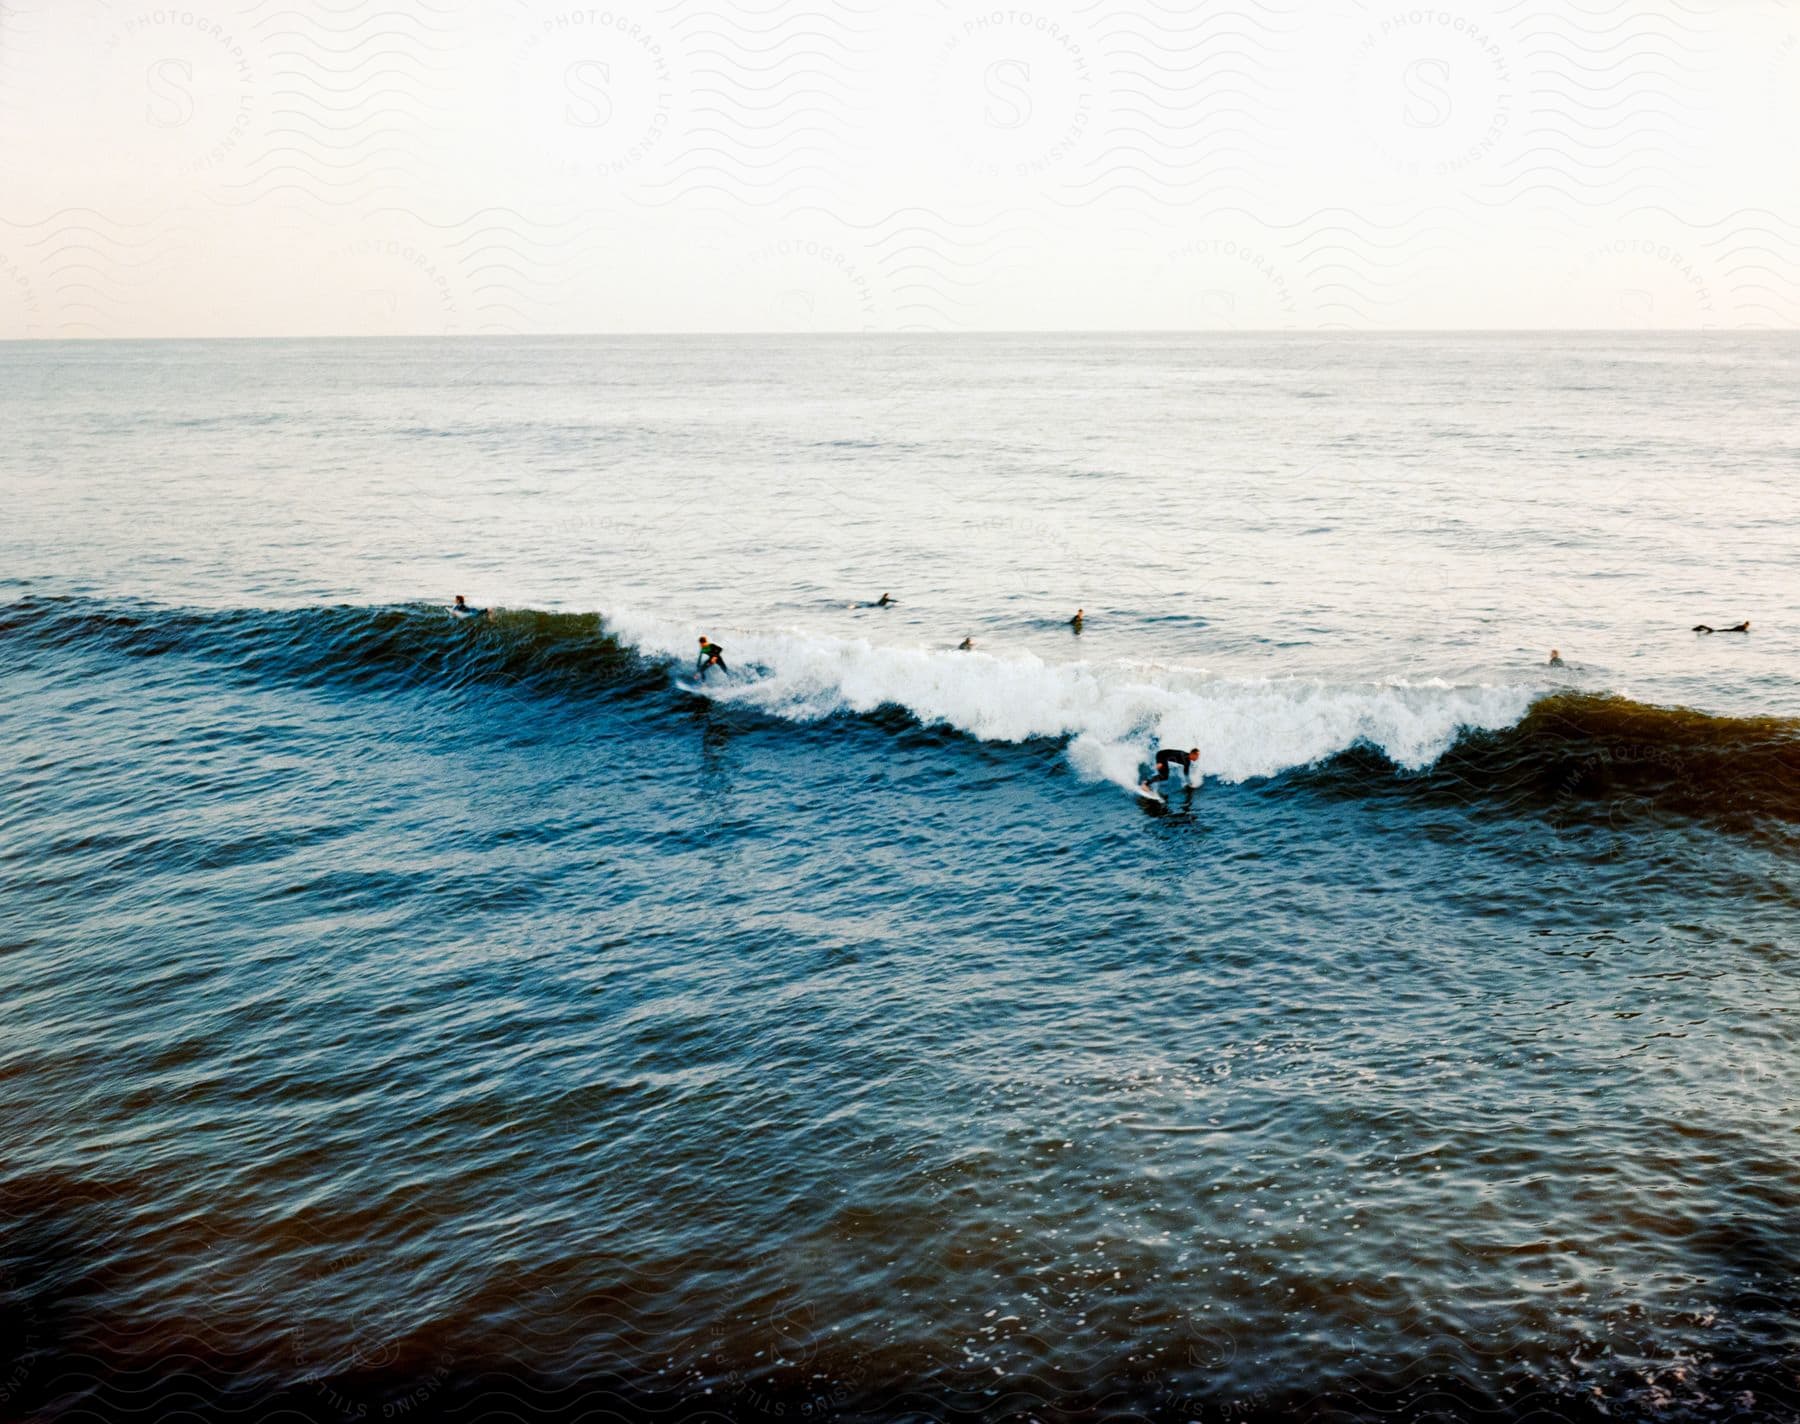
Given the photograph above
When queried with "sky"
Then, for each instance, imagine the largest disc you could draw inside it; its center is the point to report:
(298, 167)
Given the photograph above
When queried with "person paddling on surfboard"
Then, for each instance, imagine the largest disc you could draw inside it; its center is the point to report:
(461, 609)
(1743, 627)
(711, 656)
(1166, 759)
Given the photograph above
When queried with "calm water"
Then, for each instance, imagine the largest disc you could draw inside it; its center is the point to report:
(401, 1016)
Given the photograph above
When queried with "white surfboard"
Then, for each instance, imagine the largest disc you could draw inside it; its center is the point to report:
(1148, 795)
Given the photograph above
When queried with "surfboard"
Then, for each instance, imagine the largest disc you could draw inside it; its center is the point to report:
(1146, 794)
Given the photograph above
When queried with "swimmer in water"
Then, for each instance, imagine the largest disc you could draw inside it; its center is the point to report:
(1076, 621)
(1166, 759)
(711, 656)
(1555, 658)
(966, 646)
(1743, 627)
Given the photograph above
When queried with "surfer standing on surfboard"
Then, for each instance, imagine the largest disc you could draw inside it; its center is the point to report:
(711, 656)
(1166, 759)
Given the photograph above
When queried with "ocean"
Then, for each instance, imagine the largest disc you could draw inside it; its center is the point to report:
(411, 1017)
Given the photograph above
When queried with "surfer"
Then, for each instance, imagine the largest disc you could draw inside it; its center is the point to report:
(711, 656)
(882, 602)
(966, 646)
(1166, 759)
(1555, 658)
(1743, 627)
(1075, 622)
(461, 609)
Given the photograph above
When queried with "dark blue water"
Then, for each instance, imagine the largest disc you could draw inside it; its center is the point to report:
(410, 1017)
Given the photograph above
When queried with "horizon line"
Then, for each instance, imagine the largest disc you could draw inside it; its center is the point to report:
(972, 332)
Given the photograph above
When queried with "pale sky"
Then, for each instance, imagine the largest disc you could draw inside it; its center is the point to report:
(292, 167)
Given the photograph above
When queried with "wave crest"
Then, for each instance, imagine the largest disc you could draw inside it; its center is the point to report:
(1110, 712)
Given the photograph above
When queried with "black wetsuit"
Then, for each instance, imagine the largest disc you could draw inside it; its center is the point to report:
(711, 655)
(1166, 759)
(1741, 628)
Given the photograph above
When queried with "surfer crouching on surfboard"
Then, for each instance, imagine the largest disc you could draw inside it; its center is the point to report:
(711, 656)
(1166, 759)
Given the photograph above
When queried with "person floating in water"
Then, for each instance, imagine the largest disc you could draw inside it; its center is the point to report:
(966, 646)
(1555, 658)
(1166, 759)
(1076, 621)
(1743, 627)
(711, 656)
(461, 609)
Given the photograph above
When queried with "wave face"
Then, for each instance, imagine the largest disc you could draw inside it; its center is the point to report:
(376, 648)
(1555, 753)
(1576, 748)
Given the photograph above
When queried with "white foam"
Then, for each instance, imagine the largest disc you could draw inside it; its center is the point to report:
(1113, 714)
